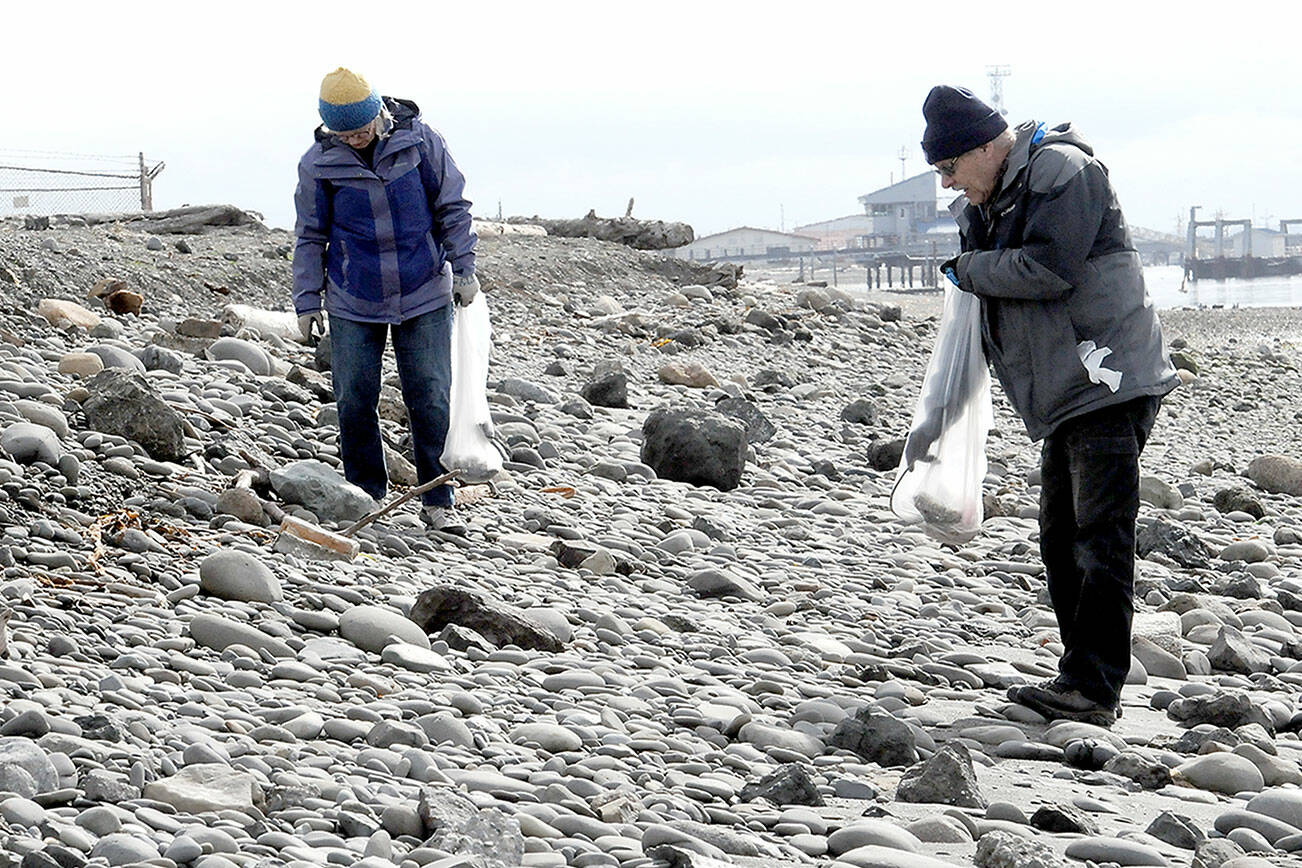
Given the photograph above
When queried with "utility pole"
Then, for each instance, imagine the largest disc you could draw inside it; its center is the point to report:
(782, 217)
(903, 155)
(997, 74)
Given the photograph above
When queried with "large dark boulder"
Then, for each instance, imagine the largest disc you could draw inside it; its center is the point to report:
(758, 427)
(125, 404)
(497, 622)
(695, 446)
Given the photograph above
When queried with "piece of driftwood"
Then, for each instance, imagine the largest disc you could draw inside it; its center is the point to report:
(630, 231)
(189, 220)
(266, 322)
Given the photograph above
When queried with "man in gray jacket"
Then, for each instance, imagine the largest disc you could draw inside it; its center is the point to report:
(1076, 345)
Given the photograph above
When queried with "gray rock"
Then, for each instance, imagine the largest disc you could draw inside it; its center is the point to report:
(116, 357)
(885, 454)
(1215, 852)
(455, 825)
(1239, 499)
(694, 446)
(27, 442)
(861, 412)
(765, 736)
(758, 428)
(608, 387)
(40, 413)
(1279, 474)
(789, 784)
(1000, 849)
(156, 358)
(321, 488)
(1149, 774)
(219, 633)
(528, 391)
(243, 504)
(1225, 773)
(207, 787)
(1173, 541)
(371, 628)
(25, 769)
(1280, 803)
(1157, 661)
(1159, 493)
(879, 856)
(1233, 652)
(868, 832)
(1063, 818)
(498, 623)
(127, 405)
(946, 779)
(236, 575)
(247, 353)
(122, 848)
(713, 582)
(1176, 830)
(1118, 850)
(877, 737)
(1268, 827)
(1229, 710)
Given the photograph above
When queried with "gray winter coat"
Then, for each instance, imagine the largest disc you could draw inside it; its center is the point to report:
(1066, 321)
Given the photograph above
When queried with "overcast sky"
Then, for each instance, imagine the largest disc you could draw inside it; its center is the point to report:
(719, 114)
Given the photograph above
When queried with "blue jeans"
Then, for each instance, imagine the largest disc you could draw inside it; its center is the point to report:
(423, 348)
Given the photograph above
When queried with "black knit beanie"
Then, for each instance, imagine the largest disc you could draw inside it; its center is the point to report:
(957, 122)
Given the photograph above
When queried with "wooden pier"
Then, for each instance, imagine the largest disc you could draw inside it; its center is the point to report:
(1245, 265)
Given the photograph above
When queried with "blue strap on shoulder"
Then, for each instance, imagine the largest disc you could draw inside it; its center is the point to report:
(1039, 135)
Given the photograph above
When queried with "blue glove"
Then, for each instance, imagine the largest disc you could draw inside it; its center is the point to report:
(950, 270)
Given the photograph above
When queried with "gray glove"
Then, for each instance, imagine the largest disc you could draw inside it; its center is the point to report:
(920, 440)
(464, 288)
(312, 326)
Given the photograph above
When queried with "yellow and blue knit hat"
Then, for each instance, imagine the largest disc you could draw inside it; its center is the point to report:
(348, 102)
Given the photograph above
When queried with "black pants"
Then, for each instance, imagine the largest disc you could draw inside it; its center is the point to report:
(1089, 500)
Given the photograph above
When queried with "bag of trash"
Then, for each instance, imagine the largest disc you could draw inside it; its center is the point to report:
(470, 446)
(944, 462)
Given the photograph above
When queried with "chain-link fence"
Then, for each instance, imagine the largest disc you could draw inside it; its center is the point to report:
(50, 182)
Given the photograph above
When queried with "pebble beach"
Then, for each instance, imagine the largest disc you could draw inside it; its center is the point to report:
(611, 667)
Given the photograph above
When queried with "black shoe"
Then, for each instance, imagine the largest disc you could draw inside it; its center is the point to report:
(1054, 683)
(1057, 702)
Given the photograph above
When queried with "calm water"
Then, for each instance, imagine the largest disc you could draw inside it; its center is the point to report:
(1163, 284)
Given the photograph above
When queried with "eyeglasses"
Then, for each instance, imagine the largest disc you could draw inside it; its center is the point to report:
(356, 135)
(946, 169)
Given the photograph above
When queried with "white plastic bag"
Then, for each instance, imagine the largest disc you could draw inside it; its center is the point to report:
(469, 446)
(947, 441)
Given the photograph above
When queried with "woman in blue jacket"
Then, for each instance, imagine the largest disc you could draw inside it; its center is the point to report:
(384, 245)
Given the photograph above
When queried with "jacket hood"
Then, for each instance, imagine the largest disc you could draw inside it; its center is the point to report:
(1034, 134)
(404, 112)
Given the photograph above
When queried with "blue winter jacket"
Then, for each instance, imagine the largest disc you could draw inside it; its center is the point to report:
(381, 243)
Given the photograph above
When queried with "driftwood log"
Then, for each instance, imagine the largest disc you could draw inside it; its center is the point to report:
(630, 231)
(190, 220)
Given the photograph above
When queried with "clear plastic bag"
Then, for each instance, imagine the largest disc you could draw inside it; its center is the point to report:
(470, 447)
(946, 445)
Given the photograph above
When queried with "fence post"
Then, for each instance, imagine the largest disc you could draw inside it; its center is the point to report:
(146, 193)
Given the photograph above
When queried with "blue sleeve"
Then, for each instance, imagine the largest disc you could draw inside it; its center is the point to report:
(445, 186)
(311, 233)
